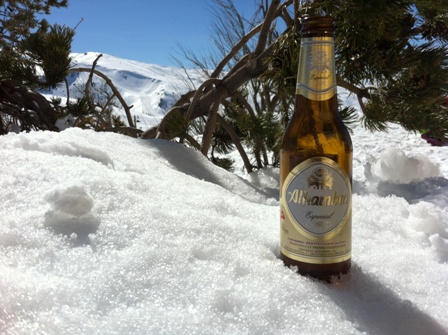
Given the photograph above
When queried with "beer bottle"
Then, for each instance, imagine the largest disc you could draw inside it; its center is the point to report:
(316, 164)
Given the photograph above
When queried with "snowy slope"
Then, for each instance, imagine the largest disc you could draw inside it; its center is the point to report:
(103, 234)
(151, 89)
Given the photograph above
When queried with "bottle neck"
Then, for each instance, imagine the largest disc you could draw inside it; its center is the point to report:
(316, 78)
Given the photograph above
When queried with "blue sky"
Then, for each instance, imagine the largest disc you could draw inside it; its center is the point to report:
(143, 30)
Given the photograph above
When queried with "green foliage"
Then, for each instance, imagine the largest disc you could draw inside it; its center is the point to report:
(45, 50)
(93, 110)
(82, 107)
(221, 143)
(349, 115)
(36, 56)
(33, 55)
(392, 54)
(224, 163)
(28, 43)
(51, 51)
(283, 64)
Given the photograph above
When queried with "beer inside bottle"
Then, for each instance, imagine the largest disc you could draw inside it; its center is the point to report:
(316, 164)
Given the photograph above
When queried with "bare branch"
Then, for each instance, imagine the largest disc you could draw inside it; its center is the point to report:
(89, 80)
(67, 88)
(104, 110)
(130, 131)
(266, 26)
(236, 141)
(235, 49)
(109, 82)
(361, 92)
(229, 86)
(211, 123)
(204, 86)
(82, 19)
(18, 95)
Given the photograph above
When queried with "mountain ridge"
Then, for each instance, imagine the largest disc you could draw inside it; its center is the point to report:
(150, 89)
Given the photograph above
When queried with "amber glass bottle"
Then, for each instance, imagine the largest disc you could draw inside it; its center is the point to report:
(316, 164)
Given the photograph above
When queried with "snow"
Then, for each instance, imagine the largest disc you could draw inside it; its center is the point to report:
(149, 88)
(106, 234)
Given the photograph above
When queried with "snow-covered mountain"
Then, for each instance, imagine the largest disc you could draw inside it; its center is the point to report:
(151, 89)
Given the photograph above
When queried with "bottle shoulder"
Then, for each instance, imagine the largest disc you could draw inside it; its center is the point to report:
(304, 124)
(313, 134)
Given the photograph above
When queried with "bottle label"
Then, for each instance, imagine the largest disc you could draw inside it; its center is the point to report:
(316, 213)
(316, 75)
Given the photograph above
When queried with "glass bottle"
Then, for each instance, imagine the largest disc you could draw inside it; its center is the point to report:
(316, 164)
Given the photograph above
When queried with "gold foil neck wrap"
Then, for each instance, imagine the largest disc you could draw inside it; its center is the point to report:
(316, 74)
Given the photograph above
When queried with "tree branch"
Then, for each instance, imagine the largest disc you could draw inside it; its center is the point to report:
(204, 86)
(235, 49)
(236, 141)
(360, 92)
(266, 26)
(109, 82)
(211, 123)
(229, 85)
(17, 95)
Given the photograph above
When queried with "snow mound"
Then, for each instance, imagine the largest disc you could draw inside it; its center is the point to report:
(395, 166)
(71, 212)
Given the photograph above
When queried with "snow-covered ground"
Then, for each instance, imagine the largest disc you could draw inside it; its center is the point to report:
(106, 234)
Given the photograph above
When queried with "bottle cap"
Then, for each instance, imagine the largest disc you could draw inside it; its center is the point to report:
(317, 25)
